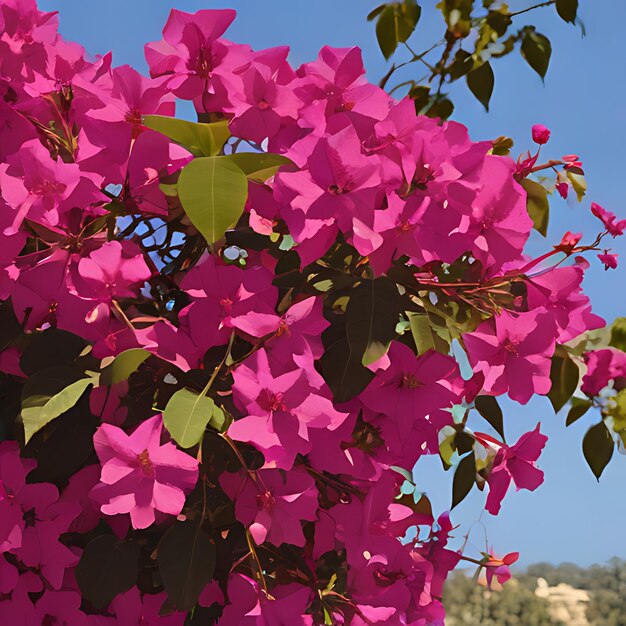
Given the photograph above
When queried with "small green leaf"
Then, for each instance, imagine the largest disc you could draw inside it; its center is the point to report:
(39, 410)
(536, 49)
(480, 82)
(579, 184)
(386, 32)
(200, 139)
(186, 558)
(396, 23)
(122, 366)
(578, 409)
(618, 334)
(213, 192)
(598, 448)
(567, 10)
(374, 13)
(537, 204)
(489, 408)
(464, 479)
(187, 415)
(564, 374)
(424, 336)
(258, 166)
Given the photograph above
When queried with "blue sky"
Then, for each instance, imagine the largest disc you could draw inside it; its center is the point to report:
(571, 516)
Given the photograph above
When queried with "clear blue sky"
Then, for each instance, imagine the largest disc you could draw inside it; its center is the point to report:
(571, 517)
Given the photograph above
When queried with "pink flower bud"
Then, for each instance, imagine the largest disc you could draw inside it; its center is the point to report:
(541, 134)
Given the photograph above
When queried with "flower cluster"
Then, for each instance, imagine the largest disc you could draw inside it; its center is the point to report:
(225, 432)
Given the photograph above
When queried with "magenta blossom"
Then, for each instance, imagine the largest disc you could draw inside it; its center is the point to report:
(515, 463)
(609, 260)
(602, 367)
(608, 220)
(513, 351)
(139, 475)
(498, 568)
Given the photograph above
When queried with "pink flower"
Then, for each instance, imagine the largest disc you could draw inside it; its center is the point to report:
(498, 568)
(568, 242)
(602, 367)
(135, 609)
(608, 220)
(515, 463)
(139, 475)
(609, 260)
(513, 351)
(273, 505)
(540, 134)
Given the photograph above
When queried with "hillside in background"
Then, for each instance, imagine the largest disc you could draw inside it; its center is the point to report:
(544, 595)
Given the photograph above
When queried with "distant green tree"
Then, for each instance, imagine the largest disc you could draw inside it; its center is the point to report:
(469, 604)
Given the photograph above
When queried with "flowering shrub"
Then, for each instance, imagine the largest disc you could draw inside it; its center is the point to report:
(225, 345)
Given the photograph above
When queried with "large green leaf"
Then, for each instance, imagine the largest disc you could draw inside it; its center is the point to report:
(489, 408)
(598, 448)
(186, 559)
(396, 22)
(578, 409)
(107, 567)
(200, 139)
(536, 49)
(618, 334)
(187, 415)
(213, 192)
(464, 479)
(537, 204)
(40, 409)
(123, 365)
(372, 315)
(258, 166)
(480, 82)
(564, 374)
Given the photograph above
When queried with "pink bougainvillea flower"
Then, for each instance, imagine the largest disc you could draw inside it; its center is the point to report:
(515, 463)
(513, 351)
(608, 220)
(609, 260)
(274, 504)
(133, 608)
(250, 606)
(139, 475)
(559, 292)
(412, 387)
(498, 568)
(568, 242)
(602, 367)
(280, 410)
(540, 134)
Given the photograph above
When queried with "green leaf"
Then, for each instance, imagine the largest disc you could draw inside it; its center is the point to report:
(618, 334)
(39, 410)
(579, 184)
(564, 374)
(423, 334)
(258, 166)
(567, 10)
(598, 448)
(489, 408)
(187, 415)
(374, 13)
(213, 192)
(480, 82)
(536, 49)
(396, 23)
(122, 366)
(578, 409)
(372, 314)
(186, 559)
(464, 479)
(200, 139)
(107, 567)
(537, 204)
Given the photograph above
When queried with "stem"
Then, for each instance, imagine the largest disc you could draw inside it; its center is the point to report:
(536, 6)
